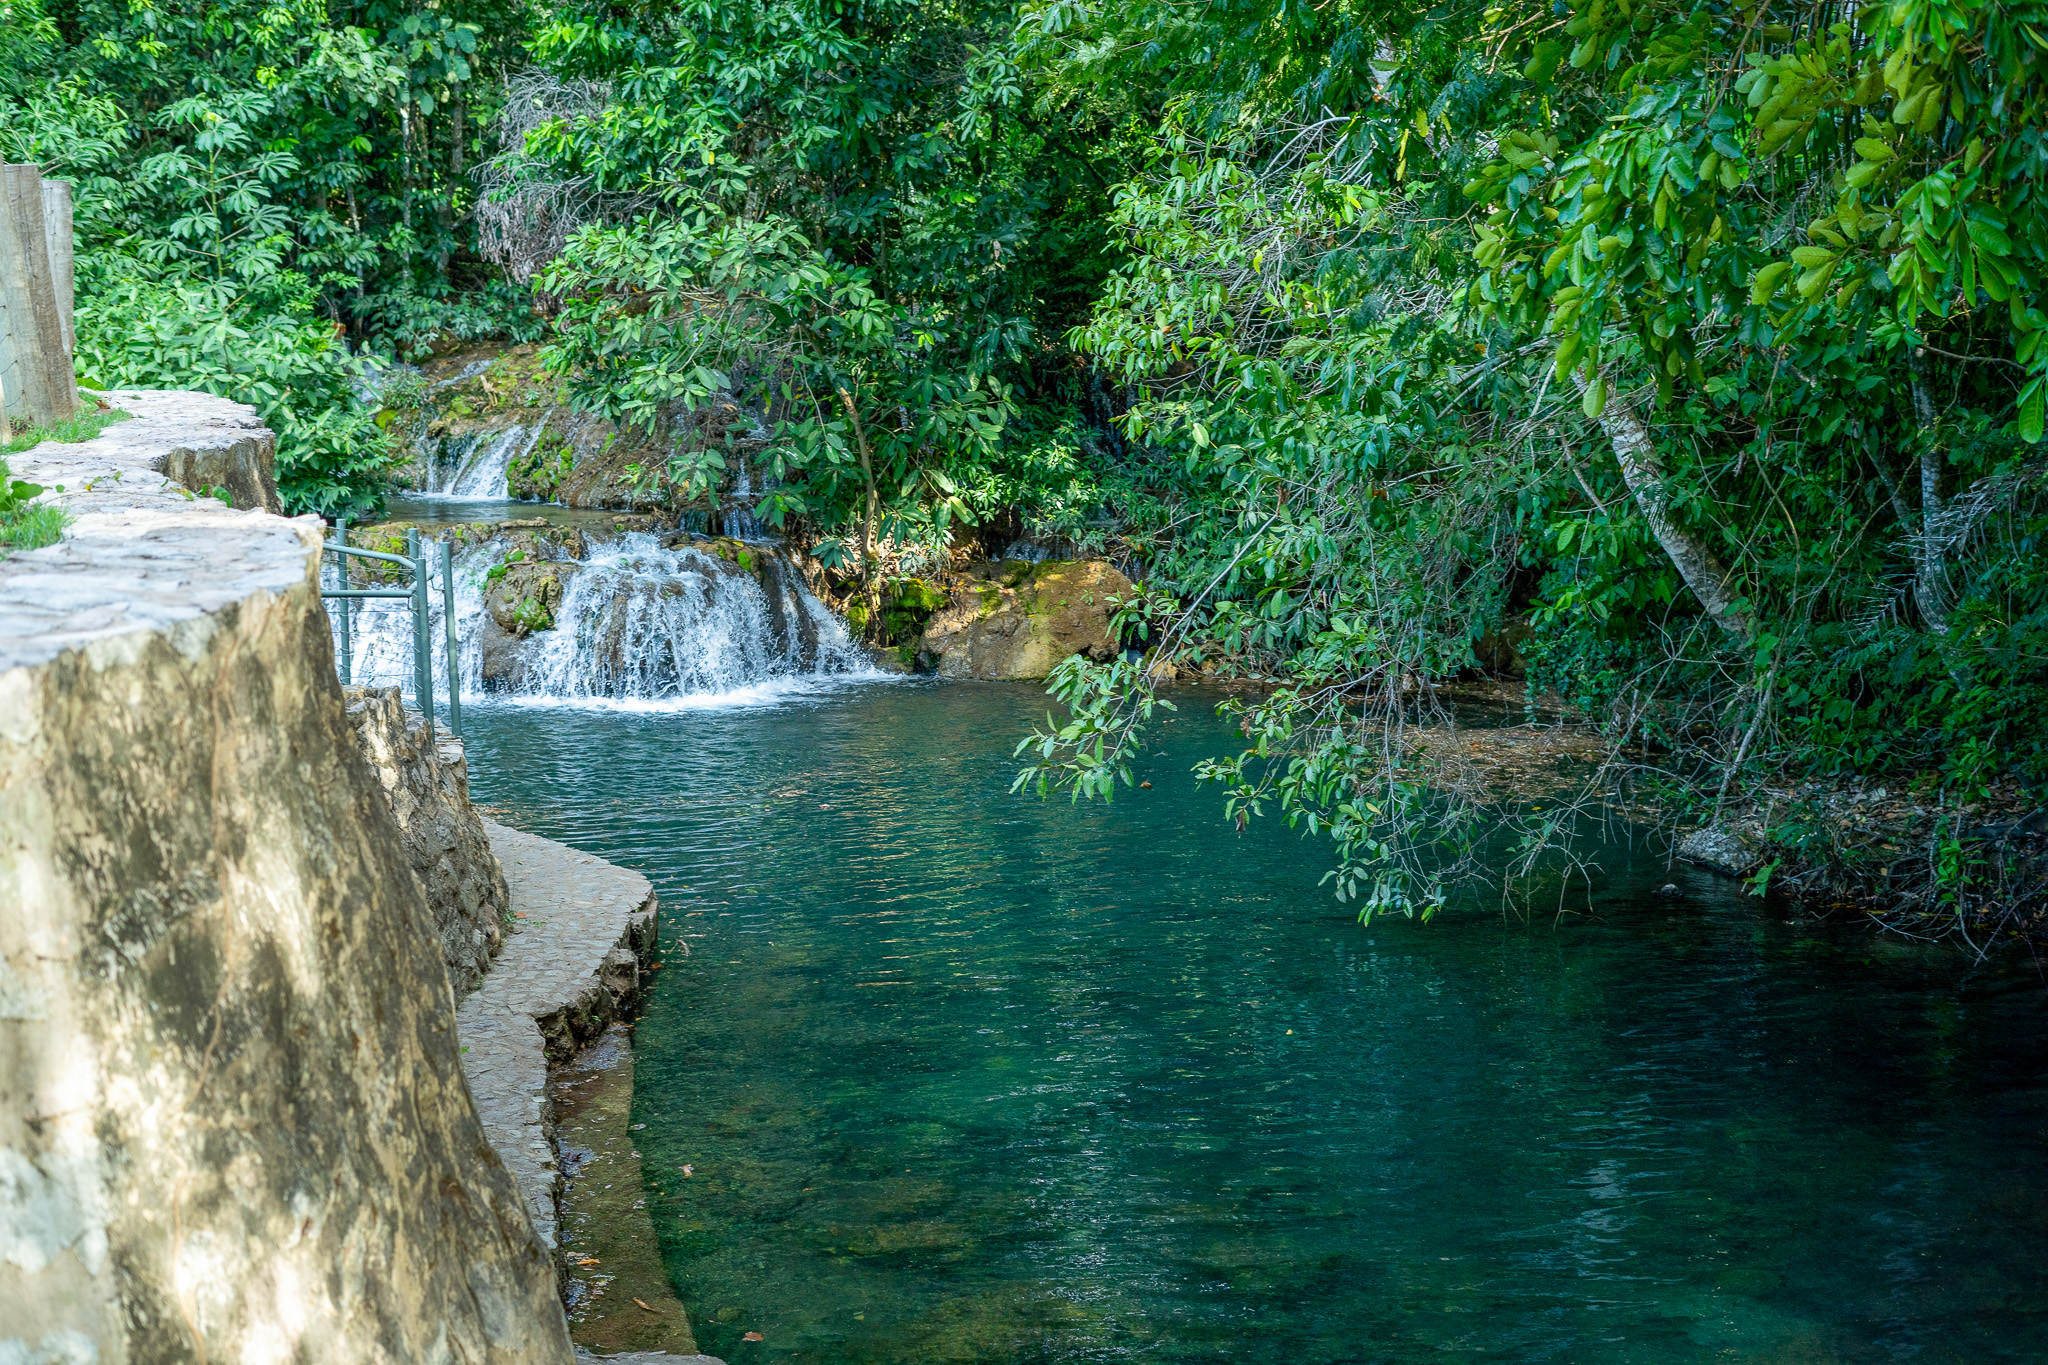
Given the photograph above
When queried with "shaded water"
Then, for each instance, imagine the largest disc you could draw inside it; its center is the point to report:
(962, 1076)
(436, 510)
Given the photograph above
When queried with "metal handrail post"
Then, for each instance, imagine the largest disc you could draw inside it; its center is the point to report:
(422, 655)
(347, 659)
(448, 636)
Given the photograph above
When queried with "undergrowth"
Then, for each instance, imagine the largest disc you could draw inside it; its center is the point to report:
(24, 523)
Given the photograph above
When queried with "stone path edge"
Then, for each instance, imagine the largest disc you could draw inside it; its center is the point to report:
(570, 967)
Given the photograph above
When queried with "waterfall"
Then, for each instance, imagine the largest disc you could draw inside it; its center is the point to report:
(739, 515)
(474, 465)
(638, 624)
(380, 630)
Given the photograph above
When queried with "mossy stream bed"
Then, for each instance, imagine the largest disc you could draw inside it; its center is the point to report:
(954, 1075)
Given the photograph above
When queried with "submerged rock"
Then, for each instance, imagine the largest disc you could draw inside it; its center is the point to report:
(1733, 849)
(1012, 619)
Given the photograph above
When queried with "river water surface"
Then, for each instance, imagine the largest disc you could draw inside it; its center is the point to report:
(951, 1075)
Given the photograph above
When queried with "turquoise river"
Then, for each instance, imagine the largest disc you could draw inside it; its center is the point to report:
(952, 1075)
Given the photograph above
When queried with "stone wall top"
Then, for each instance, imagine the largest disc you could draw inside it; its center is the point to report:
(147, 549)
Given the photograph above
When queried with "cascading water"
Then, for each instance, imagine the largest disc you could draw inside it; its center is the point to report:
(380, 631)
(637, 623)
(641, 621)
(739, 514)
(474, 465)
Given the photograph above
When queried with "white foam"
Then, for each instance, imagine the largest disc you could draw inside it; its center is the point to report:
(639, 627)
(479, 474)
(756, 696)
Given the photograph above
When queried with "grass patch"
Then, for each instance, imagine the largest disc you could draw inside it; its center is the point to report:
(32, 528)
(24, 523)
(88, 423)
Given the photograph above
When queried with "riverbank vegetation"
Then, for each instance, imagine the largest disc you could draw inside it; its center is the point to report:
(1685, 355)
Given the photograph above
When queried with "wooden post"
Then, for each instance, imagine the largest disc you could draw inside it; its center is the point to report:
(17, 346)
(57, 233)
(35, 349)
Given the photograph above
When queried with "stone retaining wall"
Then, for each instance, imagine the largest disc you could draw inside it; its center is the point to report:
(233, 1122)
(443, 834)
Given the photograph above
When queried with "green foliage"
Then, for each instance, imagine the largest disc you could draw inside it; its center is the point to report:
(253, 181)
(849, 237)
(248, 344)
(1591, 314)
(907, 604)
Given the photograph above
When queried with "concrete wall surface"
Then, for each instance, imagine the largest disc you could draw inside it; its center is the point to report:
(233, 1123)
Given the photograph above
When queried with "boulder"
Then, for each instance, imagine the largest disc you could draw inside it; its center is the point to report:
(524, 597)
(1733, 848)
(1010, 619)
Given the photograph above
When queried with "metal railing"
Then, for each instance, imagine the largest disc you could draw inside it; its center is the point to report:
(419, 562)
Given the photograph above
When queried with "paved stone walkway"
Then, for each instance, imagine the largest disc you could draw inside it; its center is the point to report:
(568, 968)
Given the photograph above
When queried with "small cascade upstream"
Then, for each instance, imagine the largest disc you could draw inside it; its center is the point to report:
(474, 465)
(636, 623)
(739, 518)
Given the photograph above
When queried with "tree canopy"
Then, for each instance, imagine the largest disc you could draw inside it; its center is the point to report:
(1691, 347)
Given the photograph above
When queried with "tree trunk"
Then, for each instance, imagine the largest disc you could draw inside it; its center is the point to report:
(867, 526)
(405, 118)
(458, 136)
(1696, 561)
(444, 211)
(1930, 571)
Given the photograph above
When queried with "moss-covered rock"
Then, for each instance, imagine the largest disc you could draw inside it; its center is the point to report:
(579, 459)
(1012, 619)
(388, 537)
(522, 594)
(530, 616)
(907, 604)
(385, 538)
(538, 474)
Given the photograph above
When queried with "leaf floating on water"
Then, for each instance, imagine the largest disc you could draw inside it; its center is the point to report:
(753, 1336)
(688, 1169)
(643, 1303)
